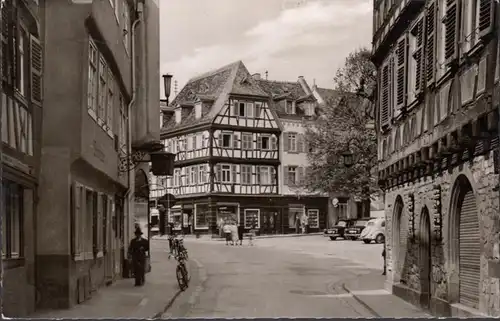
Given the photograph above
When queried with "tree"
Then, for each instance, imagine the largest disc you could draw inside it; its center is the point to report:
(347, 122)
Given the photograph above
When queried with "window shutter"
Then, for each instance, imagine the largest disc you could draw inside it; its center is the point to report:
(97, 222)
(273, 175)
(13, 42)
(285, 175)
(300, 172)
(235, 108)
(486, 16)
(450, 21)
(233, 173)
(430, 44)
(300, 143)
(384, 101)
(287, 142)
(36, 60)
(259, 142)
(418, 56)
(235, 141)
(220, 140)
(218, 173)
(76, 203)
(257, 174)
(401, 60)
(274, 143)
(5, 41)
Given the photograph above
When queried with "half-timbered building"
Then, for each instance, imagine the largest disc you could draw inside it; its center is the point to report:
(21, 117)
(295, 105)
(438, 100)
(226, 140)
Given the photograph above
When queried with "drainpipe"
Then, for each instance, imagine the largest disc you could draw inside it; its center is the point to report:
(144, 78)
(128, 193)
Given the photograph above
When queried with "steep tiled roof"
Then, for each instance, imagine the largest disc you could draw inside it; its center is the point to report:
(213, 88)
(327, 94)
(293, 90)
(280, 91)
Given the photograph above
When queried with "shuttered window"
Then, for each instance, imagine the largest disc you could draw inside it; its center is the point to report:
(384, 101)
(430, 43)
(450, 22)
(486, 17)
(401, 73)
(418, 52)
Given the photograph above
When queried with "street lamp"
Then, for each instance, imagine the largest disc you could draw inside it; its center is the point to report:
(348, 158)
(167, 82)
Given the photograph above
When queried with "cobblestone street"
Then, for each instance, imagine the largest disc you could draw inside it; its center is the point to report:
(287, 277)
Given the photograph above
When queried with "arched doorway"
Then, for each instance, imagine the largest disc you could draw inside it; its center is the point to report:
(465, 242)
(425, 256)
(399, 239)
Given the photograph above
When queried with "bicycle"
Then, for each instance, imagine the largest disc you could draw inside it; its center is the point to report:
(180, 253)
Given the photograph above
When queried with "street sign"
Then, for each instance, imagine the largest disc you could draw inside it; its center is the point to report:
(335, 202)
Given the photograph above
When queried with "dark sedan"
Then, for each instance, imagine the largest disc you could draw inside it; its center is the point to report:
(338, 230)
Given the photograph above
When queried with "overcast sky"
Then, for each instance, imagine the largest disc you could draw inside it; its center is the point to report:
(288, 38)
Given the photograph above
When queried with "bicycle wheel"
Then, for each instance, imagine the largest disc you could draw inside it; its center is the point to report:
(185, 274)
(180, 277)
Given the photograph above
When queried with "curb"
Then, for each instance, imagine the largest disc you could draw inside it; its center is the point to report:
(363, 303)
(169, 304)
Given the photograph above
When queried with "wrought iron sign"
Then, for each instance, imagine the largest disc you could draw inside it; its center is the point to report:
(162, 163)
(411, 216)
(437, 215)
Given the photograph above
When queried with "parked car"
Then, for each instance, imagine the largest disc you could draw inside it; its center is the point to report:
(353, 232)
(338, 229)
(374, 231)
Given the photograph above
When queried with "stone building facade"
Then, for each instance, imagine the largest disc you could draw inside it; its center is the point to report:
(437, 128)
(96, 107)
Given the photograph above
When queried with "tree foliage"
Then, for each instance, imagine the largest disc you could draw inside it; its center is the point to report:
(346, 123)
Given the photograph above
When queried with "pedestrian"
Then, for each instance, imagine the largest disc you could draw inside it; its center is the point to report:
(252, 233)
(241, 230)
(227, 232)
(137, 252)
(306, 223)
(234, 233)
(383, 255)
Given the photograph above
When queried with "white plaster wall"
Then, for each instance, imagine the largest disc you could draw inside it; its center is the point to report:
(291, 159)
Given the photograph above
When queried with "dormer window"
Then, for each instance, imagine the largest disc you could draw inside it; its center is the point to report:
(197, 110)
(290, 107)
(178, 115)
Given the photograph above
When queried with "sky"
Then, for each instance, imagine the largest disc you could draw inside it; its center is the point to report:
(287, 38)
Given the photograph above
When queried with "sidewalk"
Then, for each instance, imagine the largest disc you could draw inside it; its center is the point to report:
(369, 291)
(123, 300)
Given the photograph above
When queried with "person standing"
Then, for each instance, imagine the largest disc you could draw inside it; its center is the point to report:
(241, 230)
(227, 232)
(137, 251)
(385, 262)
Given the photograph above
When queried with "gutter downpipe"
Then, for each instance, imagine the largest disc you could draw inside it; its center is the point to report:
(128, 193)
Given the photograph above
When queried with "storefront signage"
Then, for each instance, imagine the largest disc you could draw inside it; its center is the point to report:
(228, 213)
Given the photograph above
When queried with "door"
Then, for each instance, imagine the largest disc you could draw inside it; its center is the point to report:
(425, 257)
(470, 252)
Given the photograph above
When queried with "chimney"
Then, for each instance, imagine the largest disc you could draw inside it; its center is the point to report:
(304, 85)
(256, 76)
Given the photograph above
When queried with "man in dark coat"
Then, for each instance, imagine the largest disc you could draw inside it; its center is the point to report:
(385, 263)
(137, 251)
